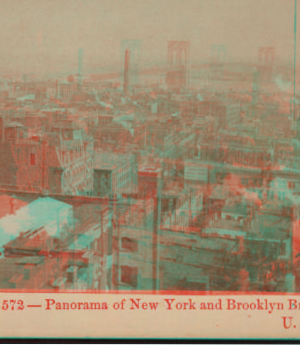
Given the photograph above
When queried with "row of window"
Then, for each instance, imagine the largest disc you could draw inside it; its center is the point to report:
(72, 155)
(68, 180)
(129, 244)
(75, 175)
(233, 155)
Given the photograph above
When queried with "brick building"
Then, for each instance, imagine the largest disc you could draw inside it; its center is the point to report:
(59, 161)
(114, 173)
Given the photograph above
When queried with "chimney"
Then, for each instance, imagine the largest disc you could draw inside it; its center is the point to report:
(79, 72)
(12, 206)
(126, 70)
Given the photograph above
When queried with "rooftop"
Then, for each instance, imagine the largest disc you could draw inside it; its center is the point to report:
(149, 170)
(9, 205)
(225, 227)
(172, 191)
(35, 241)
(84, 240)
(15, 124)
(67, 125)
(39, 213)
(108, 159)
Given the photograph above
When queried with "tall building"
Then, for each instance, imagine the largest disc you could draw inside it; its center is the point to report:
(126, 70)
(178, 64)
(136, 236)
(218, 53)
(266, 58)
(255, 93)
(79, 72)
(131, 50)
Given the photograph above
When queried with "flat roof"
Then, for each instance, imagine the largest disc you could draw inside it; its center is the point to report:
(147, 169)
(36, 214)
(108, 159)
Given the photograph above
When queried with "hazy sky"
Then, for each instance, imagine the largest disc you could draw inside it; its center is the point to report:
(44, 35)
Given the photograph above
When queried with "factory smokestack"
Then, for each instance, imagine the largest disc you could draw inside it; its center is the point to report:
(126, 70)
(79, 72)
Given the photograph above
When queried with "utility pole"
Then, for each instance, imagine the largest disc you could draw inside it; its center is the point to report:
(295, 122)
(157, 233)
(43, 165)
(295, 45)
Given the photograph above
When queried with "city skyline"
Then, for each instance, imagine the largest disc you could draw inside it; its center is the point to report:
(46, 40)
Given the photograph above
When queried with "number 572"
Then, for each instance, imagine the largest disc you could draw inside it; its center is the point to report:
(12, 304)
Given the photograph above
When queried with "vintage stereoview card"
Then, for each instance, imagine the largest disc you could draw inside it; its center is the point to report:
(150, 168)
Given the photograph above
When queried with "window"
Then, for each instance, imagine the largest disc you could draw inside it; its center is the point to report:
(291, 184)
(32, 159)
(115, 274)
(115, 243)
(129, 275)
(282, 249)
(129, 244)
(63, 155)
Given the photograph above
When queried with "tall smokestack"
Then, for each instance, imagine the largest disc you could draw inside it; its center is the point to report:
(126, 70)
(79, 72)
(56, 89)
